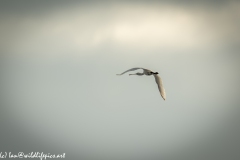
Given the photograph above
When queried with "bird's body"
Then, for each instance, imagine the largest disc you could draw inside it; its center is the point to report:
(148, 72)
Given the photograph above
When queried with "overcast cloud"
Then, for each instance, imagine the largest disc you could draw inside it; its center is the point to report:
(60, 93)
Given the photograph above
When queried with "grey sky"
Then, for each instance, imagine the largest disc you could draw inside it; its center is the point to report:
(60, 93)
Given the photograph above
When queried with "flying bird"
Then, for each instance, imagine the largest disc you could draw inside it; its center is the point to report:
(148, 72)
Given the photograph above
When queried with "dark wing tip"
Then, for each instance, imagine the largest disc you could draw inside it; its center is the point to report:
(163, 98)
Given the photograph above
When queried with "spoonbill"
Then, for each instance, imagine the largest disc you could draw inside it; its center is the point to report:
(148, 72)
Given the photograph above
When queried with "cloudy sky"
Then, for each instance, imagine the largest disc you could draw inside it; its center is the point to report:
(60, 93)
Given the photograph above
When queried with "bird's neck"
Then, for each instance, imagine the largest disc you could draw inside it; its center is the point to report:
(140, 74)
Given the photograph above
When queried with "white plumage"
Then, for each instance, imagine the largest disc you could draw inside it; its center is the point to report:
(148, 73)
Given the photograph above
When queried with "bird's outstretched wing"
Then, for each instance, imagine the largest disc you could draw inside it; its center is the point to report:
(133, 69)
(160, 86)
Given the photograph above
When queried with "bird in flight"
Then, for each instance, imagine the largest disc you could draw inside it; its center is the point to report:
(148, 72)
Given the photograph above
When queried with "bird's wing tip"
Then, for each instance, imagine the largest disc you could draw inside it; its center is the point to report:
(164, 98)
